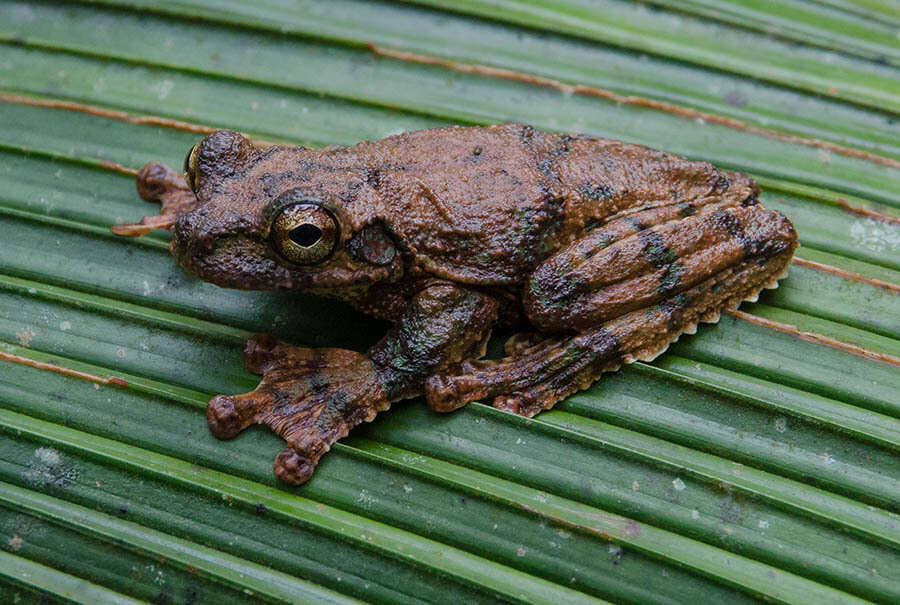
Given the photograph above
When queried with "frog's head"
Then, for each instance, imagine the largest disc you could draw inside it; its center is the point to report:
(266, 221)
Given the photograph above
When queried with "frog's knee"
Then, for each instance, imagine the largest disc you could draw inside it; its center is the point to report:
(551, 295)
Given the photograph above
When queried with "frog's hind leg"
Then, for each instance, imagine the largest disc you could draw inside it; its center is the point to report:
(534, 378)
(632, 312)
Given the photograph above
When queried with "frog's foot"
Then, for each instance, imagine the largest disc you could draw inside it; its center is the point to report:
(534, 378)
(159, 183)
(310, 397)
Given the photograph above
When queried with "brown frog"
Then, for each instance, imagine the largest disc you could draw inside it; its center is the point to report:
(604, 251)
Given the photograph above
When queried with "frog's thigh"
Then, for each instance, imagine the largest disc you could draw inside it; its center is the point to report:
(638, 321)
(597, 278)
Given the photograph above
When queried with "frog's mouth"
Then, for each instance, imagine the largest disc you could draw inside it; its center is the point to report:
(232, 261)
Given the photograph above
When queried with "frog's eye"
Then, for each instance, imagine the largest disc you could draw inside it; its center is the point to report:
(190, 167)
(305, 234)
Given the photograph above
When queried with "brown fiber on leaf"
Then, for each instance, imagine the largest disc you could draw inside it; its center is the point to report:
(684, 112)
(820, 339)
(878, 283)
(872, 214)
(104, 113)
(51, 367)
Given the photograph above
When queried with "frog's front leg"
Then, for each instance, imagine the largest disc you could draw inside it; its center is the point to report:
(625, 300)
(313, 397)
(158, 183)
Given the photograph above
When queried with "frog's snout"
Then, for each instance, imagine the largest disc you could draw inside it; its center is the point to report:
(196, 243)
(191, 240)
(223, 248)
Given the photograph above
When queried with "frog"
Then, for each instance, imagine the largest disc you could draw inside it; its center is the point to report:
(593, 252)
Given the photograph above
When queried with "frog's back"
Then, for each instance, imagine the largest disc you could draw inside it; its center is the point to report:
(472, 204)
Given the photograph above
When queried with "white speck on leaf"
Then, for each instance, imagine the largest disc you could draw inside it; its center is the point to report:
(163, 89)
(875, 235)
(65, 325)
(413, 459)
(15, 543)
(678, 484)
(366, 499)
(695, 514)
(763, 524)
(781, 424)
(25, 336)
(47, 455)
(635, 486)
(520, 552)
(47, 468)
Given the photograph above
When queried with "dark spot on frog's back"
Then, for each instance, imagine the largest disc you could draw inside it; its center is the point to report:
(636, 223)
(595, 192)
(686, 209)
(373, 177)
(548, 169)
(674, 309)
(725, 220)
(723, 182)
(655, 250)
(527, 135)
(271, 181)
(670, 278)
(562, 147)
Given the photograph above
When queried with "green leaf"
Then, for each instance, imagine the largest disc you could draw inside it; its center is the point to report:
(755, 460)
(697, 41)
(802, 22)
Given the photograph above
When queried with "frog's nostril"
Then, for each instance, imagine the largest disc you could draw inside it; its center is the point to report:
(189, 240)
(205, 242)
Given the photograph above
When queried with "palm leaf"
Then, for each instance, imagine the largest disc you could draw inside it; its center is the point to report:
(755, 460)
